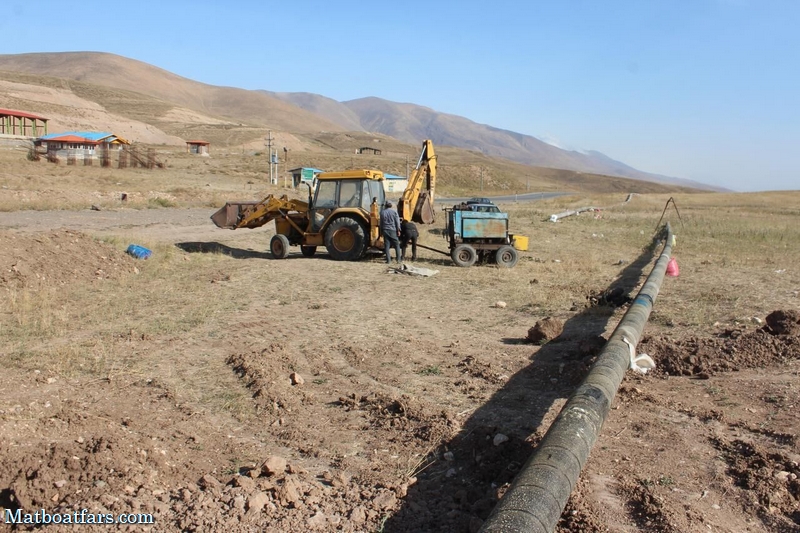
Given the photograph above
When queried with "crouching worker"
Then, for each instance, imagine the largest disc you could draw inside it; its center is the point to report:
(409, 234)
(390, 228)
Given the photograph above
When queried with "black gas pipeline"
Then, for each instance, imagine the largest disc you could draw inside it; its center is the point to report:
(539, 493)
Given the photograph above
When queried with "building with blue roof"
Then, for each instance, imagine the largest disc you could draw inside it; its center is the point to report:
(79, 140)
(394, 184)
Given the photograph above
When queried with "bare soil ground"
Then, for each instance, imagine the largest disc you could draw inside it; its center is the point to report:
(222, 390)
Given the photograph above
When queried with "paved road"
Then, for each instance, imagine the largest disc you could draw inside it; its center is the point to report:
(171, 225)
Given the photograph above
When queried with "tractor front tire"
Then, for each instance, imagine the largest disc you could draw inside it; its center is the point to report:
(346, 239)
(464, 255)
(279, 246)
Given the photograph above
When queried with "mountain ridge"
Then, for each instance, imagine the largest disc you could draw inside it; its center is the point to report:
(407, 121)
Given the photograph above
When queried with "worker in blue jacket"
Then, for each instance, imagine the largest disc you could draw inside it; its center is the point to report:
(390, 228)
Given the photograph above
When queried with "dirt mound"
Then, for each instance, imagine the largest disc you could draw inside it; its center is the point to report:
(784, 322)
(732, 350)
(58, 258)
(412, 418)
(546, 329)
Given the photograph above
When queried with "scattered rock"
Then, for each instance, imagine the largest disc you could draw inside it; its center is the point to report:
(289, 492)
(208, 482)
(239, 502)
(499, 439)
(297, 379)
(385, 500)
(317, 521)
(274, 465)
(500, 305)
(358, 515)
(256, 502)
(783, 475)
(245, 483)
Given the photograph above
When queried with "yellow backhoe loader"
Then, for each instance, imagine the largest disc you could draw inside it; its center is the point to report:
(342, 212)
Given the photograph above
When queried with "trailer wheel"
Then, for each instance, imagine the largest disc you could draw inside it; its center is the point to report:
(506, 256)
(464, 255)
(308, 251)
(279, 246)
(346, 239)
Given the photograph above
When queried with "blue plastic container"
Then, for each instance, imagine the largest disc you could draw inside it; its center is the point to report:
(139, 252)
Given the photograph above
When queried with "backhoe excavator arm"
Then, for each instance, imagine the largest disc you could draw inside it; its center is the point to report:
(416, 204)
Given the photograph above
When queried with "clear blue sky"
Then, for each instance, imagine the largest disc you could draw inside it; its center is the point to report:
(701, 89)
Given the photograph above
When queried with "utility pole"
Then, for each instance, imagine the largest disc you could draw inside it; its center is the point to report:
(269, 147)
(278, 168)
(481, 179)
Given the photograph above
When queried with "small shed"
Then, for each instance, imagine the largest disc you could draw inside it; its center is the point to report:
(368, 149)
(22, 123)
(394, 184)
(303, 175)
(197, 147)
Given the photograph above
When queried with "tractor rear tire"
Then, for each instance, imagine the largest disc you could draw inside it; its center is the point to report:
(308, 251)
(506, 257)
(279, 246)
(346, 239)
(464, 255)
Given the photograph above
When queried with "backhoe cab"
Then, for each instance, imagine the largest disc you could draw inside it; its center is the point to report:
(343, 214)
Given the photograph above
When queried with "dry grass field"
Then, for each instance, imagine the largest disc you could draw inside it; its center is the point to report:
(222, 390)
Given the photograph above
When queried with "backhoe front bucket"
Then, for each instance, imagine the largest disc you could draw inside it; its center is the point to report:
(231, 213)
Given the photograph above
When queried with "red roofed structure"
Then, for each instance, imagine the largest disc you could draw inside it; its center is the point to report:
(21, 123)
(197, 147)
